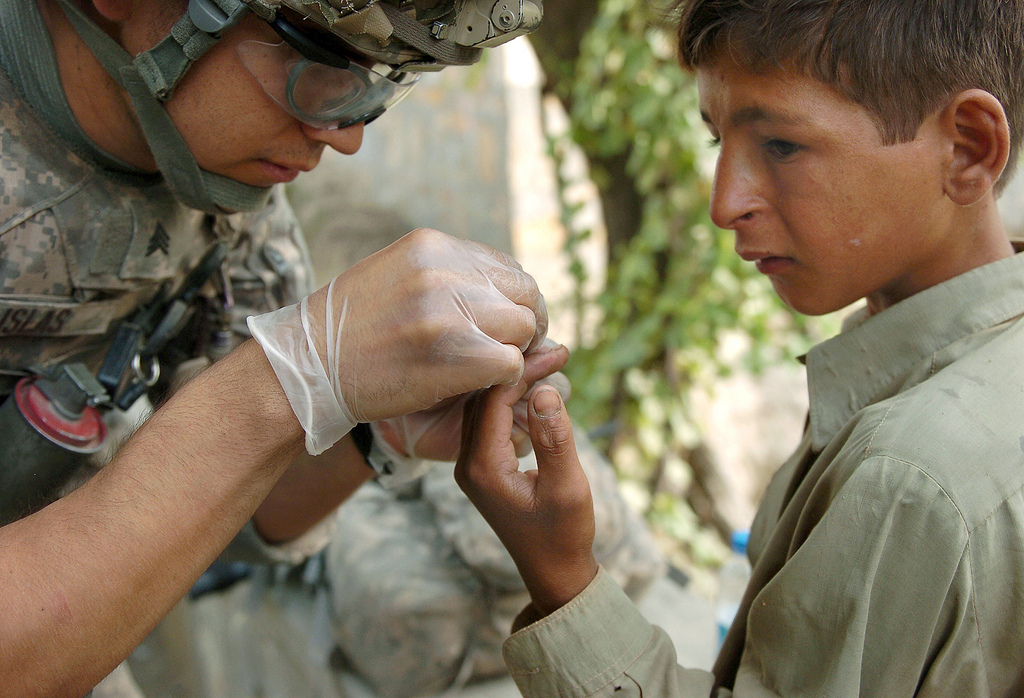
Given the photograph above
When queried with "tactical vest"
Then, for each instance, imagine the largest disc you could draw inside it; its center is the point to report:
(81, 249)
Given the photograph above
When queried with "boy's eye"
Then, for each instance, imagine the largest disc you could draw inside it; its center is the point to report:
(714, 141)
(779, 149)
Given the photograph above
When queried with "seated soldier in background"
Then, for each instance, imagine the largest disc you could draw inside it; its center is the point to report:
(422, 593)
(414, 594)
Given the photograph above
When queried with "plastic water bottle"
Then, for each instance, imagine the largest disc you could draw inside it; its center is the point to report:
(732, 581)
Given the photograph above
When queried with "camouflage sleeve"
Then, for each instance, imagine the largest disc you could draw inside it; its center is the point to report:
(408, 614)
(249, 546)
(269, 265)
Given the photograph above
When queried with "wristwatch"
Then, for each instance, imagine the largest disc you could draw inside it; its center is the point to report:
(375, 457)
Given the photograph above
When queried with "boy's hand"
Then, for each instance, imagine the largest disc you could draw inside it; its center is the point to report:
(544, 517)
(435, 434)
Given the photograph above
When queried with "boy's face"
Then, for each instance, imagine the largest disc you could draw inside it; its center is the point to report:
(817, 202)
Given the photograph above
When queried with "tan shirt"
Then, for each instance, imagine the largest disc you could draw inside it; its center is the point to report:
(888, 551)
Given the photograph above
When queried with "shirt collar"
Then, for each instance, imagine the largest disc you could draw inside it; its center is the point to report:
(872, 357)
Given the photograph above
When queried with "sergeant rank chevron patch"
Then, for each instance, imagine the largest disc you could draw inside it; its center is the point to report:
(160, 241)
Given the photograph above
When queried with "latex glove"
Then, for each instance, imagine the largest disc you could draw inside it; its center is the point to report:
(544, 517)
(425, 319)
(412, 442)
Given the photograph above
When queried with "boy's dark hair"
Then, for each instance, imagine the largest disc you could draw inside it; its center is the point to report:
(899, 59)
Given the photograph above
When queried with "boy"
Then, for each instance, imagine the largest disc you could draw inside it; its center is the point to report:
(863, 144)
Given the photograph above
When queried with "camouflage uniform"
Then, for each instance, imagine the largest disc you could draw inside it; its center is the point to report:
(82, 248)
(423, 592)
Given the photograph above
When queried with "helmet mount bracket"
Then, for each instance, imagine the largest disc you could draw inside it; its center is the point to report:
(216, 16)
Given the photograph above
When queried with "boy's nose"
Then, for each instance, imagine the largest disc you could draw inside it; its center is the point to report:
(345, 140)
(734, 195)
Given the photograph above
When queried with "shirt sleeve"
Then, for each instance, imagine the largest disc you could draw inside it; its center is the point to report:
(572, 652)
(268, 266)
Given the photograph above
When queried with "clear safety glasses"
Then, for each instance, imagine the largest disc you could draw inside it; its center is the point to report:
(320, 87)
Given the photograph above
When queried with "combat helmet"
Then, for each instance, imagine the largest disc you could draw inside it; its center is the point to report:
(414, 35)
(338, 63)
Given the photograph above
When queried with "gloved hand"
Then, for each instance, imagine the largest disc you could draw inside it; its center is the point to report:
(412, 441)
(426, 319)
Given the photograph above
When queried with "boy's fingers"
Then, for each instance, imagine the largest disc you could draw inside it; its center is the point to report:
(470, 411)
(487, 428)
(551, 433)
(521, 442)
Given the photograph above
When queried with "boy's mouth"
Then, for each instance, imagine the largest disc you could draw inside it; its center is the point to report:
(774, 265)
(766, 262)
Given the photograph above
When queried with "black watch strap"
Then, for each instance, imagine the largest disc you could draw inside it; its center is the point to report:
(362, 436)
(380, 462)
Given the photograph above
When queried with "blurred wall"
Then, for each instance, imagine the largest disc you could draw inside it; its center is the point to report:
(439, 159)
(465, 153)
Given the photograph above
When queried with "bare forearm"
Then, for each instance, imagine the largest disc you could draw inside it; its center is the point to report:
(86, 578)
(310, 490)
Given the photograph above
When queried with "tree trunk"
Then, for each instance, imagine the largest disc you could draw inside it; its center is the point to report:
(557, 44)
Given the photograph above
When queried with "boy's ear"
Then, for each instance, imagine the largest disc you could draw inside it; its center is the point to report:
(976, 125)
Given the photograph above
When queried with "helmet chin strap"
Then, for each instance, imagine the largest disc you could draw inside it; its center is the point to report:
(149, 79)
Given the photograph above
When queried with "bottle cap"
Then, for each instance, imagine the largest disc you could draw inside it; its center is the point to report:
(738, 541)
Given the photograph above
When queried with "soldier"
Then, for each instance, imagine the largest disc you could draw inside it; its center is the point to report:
(143, 145)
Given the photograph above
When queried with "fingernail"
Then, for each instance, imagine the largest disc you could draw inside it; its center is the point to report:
(547, 402)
